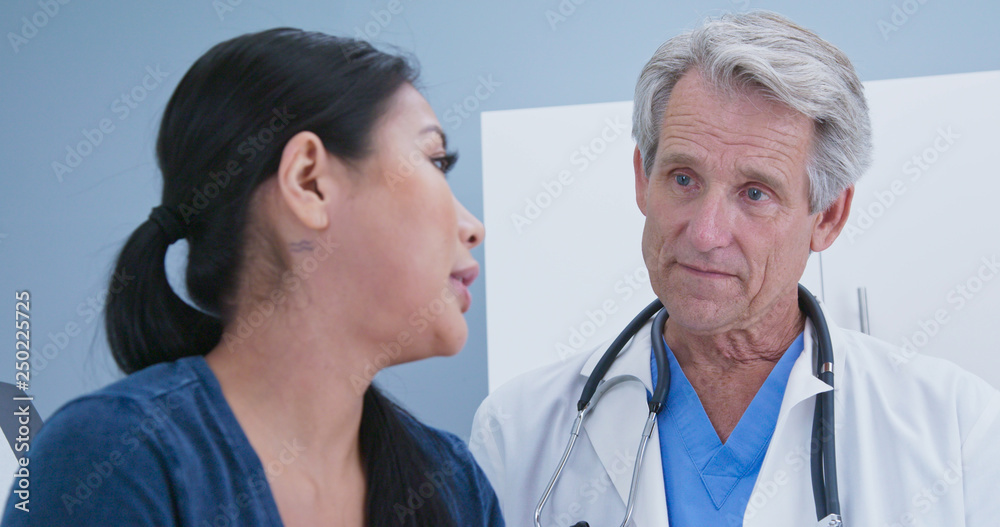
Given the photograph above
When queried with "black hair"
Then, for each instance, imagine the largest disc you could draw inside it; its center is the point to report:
(222, 135)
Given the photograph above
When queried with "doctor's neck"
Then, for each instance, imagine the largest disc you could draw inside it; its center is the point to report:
(752, 342)
(727, 367)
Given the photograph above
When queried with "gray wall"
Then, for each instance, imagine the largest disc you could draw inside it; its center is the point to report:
(58, 236)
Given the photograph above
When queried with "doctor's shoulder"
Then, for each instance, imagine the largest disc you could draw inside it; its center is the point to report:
(931, 416)
(883, 362)
(511, 420)
(929, 388)
(538, 394)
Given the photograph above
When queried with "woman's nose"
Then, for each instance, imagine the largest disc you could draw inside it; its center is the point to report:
(470, 230)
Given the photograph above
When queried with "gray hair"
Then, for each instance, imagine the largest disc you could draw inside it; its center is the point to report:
(770, 54)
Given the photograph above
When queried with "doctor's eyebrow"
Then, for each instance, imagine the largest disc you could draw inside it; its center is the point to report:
(676, 158)
(776, 184)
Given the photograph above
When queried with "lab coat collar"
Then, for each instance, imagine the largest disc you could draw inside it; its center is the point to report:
(802, 381)
(628, 363)
(615, 424)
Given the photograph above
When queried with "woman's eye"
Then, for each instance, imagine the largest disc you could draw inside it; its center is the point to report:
(756, 194)
(682, 179)
(446, 162)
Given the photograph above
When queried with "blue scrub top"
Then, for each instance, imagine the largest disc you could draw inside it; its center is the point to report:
(708, 482)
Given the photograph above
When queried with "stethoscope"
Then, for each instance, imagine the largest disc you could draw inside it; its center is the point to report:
(823, 461)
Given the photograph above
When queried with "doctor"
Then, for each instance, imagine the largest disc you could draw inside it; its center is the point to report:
(751, 133)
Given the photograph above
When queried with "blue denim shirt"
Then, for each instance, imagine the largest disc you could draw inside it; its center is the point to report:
(162, 447)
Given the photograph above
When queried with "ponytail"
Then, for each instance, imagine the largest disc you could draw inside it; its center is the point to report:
(146, 322)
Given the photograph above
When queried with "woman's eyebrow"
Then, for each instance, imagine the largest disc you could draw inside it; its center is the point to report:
(437, 129)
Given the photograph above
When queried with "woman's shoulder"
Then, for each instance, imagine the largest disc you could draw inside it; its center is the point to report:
(136, 407)
(95, 454)
(159, 447)
(148, 397)
(153, 382)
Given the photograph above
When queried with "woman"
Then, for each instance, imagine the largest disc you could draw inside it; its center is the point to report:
(307, 175)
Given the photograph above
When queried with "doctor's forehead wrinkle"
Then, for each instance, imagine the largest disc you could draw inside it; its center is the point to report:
(777, 184)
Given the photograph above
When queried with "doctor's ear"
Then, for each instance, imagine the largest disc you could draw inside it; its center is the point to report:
(641, 181)
(831, 221)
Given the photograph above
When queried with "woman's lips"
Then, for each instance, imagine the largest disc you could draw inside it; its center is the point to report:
(462, 292)
(460, 281)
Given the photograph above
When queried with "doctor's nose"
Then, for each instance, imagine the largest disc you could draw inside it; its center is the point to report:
(710, 223)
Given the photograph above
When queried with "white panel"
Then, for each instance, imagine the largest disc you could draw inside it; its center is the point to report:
(564, 260)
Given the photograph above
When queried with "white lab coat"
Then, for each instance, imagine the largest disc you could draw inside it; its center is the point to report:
(917, 443)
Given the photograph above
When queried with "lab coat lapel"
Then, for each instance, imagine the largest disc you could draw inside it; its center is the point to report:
(782, 494)
(802, 381)
(615, 425)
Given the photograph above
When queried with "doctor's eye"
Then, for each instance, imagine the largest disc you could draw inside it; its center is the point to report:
(756, 194)
(682, 179)
(446, 162)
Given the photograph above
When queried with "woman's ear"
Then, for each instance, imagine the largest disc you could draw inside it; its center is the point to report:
(308, 179)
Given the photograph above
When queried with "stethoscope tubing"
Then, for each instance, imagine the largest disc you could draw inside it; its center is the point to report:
(823, 459)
